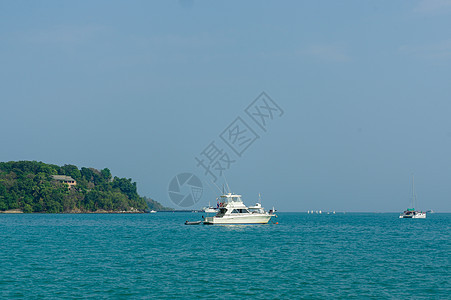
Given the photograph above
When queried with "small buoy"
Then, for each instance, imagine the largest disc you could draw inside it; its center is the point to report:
(277, 222)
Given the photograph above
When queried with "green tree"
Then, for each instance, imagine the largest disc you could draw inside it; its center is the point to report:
(28, 185)
(126, 186)
(72, 171)
(27, 208)
(106, 174)
(87, 174)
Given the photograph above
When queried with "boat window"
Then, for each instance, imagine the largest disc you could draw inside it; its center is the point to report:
(244, 211)
(235, 211)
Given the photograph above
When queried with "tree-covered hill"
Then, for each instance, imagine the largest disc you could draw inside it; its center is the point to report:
(154, 205)
(35, 187)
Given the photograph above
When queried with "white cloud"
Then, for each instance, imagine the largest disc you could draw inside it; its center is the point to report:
(440, 50)
(433, 6)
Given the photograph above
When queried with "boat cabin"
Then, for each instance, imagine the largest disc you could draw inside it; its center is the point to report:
(229, 199)
(231, 204)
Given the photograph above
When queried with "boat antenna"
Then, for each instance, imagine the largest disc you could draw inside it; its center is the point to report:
(216, 186)
(413, 191)
(212, 189)
(260, 198)
(225, 179)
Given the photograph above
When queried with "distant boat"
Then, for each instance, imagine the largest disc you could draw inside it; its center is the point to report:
(257, 208)
(153, 211)
(210, 209)
(411, 213)
(193, 222)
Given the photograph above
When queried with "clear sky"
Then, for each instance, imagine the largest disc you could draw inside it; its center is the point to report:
(144, 87)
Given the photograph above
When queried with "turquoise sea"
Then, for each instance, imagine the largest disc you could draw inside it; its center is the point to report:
(140, 256)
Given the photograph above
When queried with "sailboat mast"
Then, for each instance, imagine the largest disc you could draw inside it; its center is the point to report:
(413, 192)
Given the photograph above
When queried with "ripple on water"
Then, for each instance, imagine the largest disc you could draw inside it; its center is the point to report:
(155, 255)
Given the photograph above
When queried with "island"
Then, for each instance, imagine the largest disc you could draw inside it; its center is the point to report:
(37, 187)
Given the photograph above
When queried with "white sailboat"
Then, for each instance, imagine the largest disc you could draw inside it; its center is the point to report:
(411, 213)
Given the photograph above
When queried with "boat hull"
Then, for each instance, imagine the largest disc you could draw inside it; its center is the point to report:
(193, 223)
(230, 220)
(417, 215)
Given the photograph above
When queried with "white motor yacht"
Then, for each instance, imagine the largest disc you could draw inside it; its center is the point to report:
(233, 211)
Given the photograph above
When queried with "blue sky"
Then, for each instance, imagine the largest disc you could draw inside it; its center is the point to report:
(143, 87)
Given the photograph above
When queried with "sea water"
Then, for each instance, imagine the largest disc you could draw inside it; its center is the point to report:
(143, 256)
